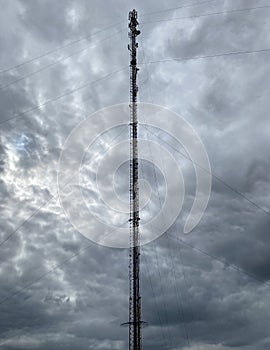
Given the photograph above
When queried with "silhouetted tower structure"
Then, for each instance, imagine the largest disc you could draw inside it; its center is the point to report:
(135, 323)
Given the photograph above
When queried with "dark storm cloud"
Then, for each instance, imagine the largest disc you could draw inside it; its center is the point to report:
(185, 293)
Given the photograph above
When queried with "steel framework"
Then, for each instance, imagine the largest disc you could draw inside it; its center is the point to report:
(135, 323)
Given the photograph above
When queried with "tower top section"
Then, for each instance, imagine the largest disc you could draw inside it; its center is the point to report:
(133, 23)
(133, 33)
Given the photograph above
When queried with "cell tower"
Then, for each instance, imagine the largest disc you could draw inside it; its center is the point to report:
(135, 323)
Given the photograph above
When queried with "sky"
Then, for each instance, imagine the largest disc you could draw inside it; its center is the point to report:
(61, 61)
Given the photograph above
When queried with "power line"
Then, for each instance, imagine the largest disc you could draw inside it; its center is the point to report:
(185, 283)
(26, 287)
(180, 308)
(179, 7)
(155, 298)
(141, 63)
(28, 219)
(64, 262)
(235, 11)
(162, 293)
(36, 107)
(110, 27)
(170, 343)
(43, 275)
(73, 42)
(232, 53)
(232, 266)
(174, 285)
(74, 90)
(178, 297)
(213, 175)
(58, 48)
(163, 20)
(103, 78)
(70, 92)
(114, 25)
(57, 61)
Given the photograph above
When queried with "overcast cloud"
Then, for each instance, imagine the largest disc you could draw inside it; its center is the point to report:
(62, 291)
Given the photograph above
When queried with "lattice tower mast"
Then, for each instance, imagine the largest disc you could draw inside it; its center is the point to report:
(135, 323)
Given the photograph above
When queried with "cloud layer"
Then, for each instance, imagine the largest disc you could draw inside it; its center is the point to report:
(59, 290)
